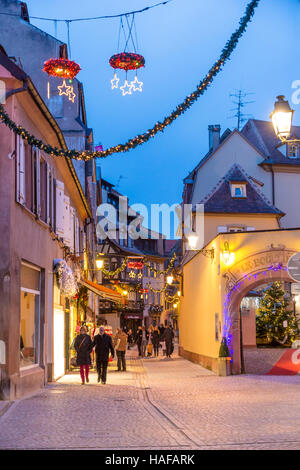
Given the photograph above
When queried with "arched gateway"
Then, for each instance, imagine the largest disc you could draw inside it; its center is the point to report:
(247, 274)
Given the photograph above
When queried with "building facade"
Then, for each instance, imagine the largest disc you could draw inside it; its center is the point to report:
(248, 185)
(43, 219)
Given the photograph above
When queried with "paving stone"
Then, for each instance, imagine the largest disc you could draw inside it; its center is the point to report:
(158, 404)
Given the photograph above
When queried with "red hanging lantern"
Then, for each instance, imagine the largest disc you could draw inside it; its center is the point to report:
(66, 69)
(127, 61)
(62, 68)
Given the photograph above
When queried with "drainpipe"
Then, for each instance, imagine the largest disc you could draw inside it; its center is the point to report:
(241, 345)
(16, 90)
(273, 186)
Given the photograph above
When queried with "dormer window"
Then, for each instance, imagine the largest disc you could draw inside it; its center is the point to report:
(292, 151)
(238, 190)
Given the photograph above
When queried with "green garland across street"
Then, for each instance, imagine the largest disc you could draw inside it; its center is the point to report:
(159, 126)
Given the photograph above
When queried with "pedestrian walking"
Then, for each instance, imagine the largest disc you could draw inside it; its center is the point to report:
(168, 337)
(120, 347)
(155, 341)
(130, 339)
(83, 346)
(144, 341)
(139, 337)
(149, 343)
(103, 345)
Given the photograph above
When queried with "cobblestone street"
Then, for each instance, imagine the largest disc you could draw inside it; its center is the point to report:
(158, 404)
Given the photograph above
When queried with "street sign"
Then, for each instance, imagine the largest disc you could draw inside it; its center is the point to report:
(293, 267)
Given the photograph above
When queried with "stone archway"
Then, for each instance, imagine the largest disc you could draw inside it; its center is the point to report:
(262, 267)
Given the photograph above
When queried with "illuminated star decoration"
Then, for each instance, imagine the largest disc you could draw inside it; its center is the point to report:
(137, 86)
(115, 82)
(132, 274)
(64, 89)
(140, 275)
(71, 94)
(126, 88)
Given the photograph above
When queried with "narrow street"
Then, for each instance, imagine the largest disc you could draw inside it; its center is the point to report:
(157, 404)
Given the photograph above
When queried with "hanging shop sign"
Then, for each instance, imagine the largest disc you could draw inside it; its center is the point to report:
(135, 265)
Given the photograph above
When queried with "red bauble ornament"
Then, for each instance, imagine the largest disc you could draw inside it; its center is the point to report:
(127, 61)
(62, 68)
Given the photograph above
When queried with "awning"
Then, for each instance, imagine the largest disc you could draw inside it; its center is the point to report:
(102, 291)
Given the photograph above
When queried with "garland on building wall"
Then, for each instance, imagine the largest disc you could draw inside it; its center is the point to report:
(227, 320)
(158, 291)
(108, 273)
(159, 126)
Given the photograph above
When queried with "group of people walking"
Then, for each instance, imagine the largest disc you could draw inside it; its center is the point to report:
(104, 345)
(153, 339)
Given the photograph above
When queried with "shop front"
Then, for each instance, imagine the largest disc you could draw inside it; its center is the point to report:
(220, 300)
(31, 335)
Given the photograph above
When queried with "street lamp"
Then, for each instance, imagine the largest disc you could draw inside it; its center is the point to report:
(227, 255)
(282, 117)
(193, 240)
(99, 262)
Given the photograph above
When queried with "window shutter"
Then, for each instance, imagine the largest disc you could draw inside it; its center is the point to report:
(77, 247)
(20, 171)
(222, 228)
(48, 200)
(72, 228)
(38, 183)
(67, 221)
(51, 193)
(59, 199)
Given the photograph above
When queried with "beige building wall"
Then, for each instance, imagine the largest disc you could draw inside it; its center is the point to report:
(215, 223)
(235, 149)
(206, 283)
(287, 197)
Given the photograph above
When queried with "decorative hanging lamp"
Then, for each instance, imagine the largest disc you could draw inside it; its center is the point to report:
(127, 61)
(66, 69)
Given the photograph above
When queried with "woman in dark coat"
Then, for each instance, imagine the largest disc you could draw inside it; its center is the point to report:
(155, 340)
(83, 345)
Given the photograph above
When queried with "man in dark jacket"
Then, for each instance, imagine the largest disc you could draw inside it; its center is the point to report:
(168, 336)
(103, 344)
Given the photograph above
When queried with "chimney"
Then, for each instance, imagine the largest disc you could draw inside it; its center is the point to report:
(214, 136)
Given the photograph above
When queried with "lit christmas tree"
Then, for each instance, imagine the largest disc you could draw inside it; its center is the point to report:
(275, 324)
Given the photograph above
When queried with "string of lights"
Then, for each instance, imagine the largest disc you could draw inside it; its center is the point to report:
(159, 126)
(105, 17)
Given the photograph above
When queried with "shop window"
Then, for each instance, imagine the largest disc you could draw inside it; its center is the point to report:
(30, 348)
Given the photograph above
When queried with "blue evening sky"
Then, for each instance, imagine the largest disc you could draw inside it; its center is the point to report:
(179, 41)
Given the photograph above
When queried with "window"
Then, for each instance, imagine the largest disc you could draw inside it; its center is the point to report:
(30, 341)
(236, 229)
(238, 190)
(292, 151)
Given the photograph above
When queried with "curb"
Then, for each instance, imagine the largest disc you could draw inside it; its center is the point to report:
(6, 408)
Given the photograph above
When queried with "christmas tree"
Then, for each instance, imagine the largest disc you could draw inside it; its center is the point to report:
(275, 324)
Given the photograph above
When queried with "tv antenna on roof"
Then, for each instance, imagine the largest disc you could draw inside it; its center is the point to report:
(240, 96)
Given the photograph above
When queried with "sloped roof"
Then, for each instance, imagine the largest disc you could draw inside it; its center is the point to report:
(261, 134)
(219, 200)
(209, 154)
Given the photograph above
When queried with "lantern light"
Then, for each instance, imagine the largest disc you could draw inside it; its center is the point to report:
(170, 279)
(227, 255)
(99, 262)
(193, 240)
(282, 118)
